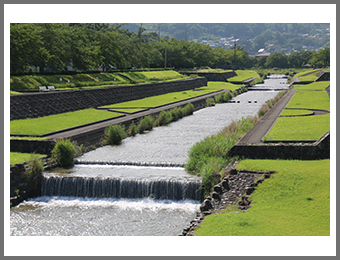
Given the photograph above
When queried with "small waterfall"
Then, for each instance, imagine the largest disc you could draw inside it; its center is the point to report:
(121, 188)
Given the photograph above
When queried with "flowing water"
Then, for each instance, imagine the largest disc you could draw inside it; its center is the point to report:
(137, 188)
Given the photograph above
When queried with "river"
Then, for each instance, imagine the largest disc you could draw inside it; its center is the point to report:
(70, 207)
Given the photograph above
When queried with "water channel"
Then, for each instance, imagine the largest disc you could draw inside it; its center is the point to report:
(137, 188)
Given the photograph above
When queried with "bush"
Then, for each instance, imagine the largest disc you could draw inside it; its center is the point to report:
(36, 168)
(188, 110)
(146, 124)
(210, 102)
(114, 134)
(132, 129)
(63, 152)
(164, 118)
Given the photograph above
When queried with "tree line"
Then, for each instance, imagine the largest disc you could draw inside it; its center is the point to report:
(88, 46)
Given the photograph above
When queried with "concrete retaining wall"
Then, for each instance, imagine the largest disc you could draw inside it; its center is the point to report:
(301, 151)
(44, 104)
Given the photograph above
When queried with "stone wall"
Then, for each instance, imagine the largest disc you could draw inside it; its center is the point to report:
(49, 103)
(31, 146)
(300, 151)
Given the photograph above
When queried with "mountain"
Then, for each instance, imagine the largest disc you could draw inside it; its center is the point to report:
(285, 37)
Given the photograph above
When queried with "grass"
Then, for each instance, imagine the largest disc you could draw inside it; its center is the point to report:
(293, 202)
(243, 75)
(16, 158)
(95, 80)
(295, 112)
(47, 124)
(159, 100)
(309, 128)
(310, 100)
(318, 85)
(223, 85)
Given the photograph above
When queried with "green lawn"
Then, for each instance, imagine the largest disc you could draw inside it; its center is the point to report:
(243, 75)
(23, 157)
(43, 125)
(293, 202)
(295, 112)
(309, 128)
(318, 85)
(159, 100)
(223, 85)
(310, 100)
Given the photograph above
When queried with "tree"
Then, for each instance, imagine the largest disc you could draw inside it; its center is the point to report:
(277, 59)
(321, 58)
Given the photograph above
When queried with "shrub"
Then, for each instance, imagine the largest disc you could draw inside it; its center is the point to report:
(188, 110)
(36, 168)
(175, 113)
(146, 124)
(164, 118)
(210, 102)
(114, 134)
(132, 131)
(63, 152)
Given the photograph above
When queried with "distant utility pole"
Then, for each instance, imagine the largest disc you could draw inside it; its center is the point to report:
(141, 31)
(186, 35)
(234, 53)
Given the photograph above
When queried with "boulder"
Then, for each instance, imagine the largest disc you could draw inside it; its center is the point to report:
(218, 188)
(206, 205)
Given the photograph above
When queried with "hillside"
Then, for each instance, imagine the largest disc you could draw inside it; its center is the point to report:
(251, 36)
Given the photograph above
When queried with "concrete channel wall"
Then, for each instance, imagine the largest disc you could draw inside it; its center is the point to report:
(43, 104)
(297, 150)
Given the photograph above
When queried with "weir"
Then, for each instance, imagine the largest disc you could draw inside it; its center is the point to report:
(90, 187)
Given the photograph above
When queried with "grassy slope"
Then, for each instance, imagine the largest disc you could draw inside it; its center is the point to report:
(293, 202)
(166, 98)
(42, 125)
(319, 85)
(23, 157)
(303, 128)
(243, 75)
(32, 82)
(295, 112)
(299, 128)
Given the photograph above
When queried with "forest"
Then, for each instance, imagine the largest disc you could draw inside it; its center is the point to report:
(82, 47)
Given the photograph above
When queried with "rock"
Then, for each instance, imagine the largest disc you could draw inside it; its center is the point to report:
(218, 188)
(206, 205)
(249, 190)
(225, 184)
(260, 181)
(267, 176)
(233, 171)
(216, 196)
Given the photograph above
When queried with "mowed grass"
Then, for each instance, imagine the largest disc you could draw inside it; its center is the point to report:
(16, 158)
(307, 128)
(223, 85)
(47, 124)
(293, 202)
(159, 100)
(310, 100)
(243, 75)
(318, 85)
(295, 112)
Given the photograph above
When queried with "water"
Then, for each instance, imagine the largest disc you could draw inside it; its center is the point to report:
(70, 216)
(71, 210)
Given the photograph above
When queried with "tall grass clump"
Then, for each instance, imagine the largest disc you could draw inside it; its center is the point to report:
(64, 152)
(164, 118)
(146, 124)
(188, 110)
(132, 131)
(35, 174)
(207, 158)
(114, 134)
